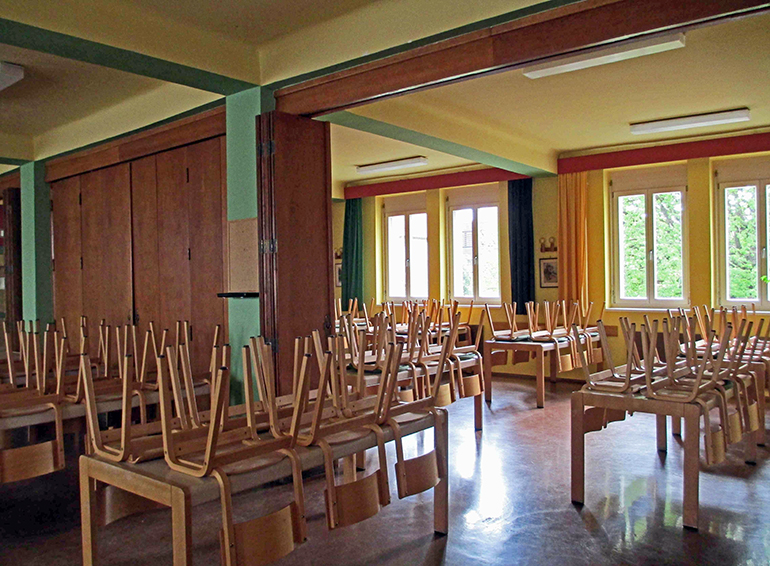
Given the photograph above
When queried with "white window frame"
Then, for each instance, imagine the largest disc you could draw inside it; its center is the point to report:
(474, 205)
(763, 301)
(649, 301)
(385, 285)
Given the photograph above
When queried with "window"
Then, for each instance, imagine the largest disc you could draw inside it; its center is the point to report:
(743, 242)
(474, 253)
(406, 255)
(649, 252)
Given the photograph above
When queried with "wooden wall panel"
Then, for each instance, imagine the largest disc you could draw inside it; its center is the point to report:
(12, 244)
(144, 223)
(206, 272)
(173, 238)
(67, 250)
(106, 240)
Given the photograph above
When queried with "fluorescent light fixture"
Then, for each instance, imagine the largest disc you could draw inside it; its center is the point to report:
(10, 74)
(696, 121)
(604, 56)
(390, 165)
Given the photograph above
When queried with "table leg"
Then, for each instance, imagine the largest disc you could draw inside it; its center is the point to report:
(477, 414)
(540, 378)
(181, 525)
(660, 426)
(761, 380)
(487, 363)
(691, 464)
(441, 490)
(88, 521)
(578, 449)
(676, 426)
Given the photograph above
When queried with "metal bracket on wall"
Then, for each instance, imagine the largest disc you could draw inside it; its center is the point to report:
(268, 246)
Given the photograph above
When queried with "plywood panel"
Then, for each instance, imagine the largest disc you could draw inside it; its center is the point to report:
(243, 253)
(207, 253)
(173, 238)
(144, 221)
(67, 275)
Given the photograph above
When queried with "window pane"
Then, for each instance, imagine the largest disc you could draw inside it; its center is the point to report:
(397, 256)
(462, 252)
(741, 242)
(418, 255)
(631, 240)
(489, 255)
(667, 231)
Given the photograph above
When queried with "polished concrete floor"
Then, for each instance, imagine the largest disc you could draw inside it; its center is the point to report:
(509, 504)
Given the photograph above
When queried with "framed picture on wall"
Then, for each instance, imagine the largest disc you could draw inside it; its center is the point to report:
(338, 274)
(549, 272)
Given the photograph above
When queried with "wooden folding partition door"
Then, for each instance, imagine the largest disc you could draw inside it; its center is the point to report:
(294, 194)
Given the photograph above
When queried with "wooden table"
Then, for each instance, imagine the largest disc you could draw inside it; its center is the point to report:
(540, 349)
(151, 484)
(640, 404)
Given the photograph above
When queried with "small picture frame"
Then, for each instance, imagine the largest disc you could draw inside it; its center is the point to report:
(338, 274)
(549, 272)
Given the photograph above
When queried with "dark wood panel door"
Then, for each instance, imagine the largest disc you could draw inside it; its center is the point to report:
(207, 250)
(106, 241)
(173, 238)
(12, 253)
(67, 253)
(144, 225)
(295, 202)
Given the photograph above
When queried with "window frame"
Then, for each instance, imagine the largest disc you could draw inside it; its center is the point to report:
(762, 187)
(649, 301)
(463, 204)
(406, 213)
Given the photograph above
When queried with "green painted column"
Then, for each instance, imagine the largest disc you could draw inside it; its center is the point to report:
(242, 110)
(36, 272)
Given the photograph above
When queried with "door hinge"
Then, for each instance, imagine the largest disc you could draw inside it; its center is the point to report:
(81, 262)
(80, 198)
(270, 147)
(189, 254)
(191, 334)
(268, 246)
(136, 317)
(53, 266)
(188, 174)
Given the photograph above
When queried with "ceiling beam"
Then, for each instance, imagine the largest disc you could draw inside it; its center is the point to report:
(388, 130)
(733, 145)
(428, 182)
(506, 46)
(38, 39)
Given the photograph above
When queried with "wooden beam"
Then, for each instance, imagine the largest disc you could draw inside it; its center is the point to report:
(180, 132)
(446, 180)
(10, 181)
(734, 145)
(505, 46)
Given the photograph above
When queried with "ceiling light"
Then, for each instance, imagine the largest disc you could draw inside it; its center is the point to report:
(10, 74)
(390, 165)
(604, 56)
(696, 121)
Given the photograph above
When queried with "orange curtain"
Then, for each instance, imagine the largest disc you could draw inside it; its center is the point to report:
(573, 238)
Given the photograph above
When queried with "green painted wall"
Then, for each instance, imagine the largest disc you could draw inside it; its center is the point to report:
(37, 276)
(242, 110)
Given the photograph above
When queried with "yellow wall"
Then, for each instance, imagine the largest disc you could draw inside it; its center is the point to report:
(338, 225)
(545, 195)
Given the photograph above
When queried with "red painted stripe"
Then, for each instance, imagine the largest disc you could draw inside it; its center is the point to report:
(446, 180)
(751, 143)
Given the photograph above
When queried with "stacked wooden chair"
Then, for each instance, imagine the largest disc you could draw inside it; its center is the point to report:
(37, 394)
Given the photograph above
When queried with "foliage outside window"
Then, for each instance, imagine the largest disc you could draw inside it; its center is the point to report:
(474, 253)
(743, 241)
(407, 255)
(649, 252)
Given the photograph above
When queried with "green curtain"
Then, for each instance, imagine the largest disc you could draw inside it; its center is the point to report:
(353, 252)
